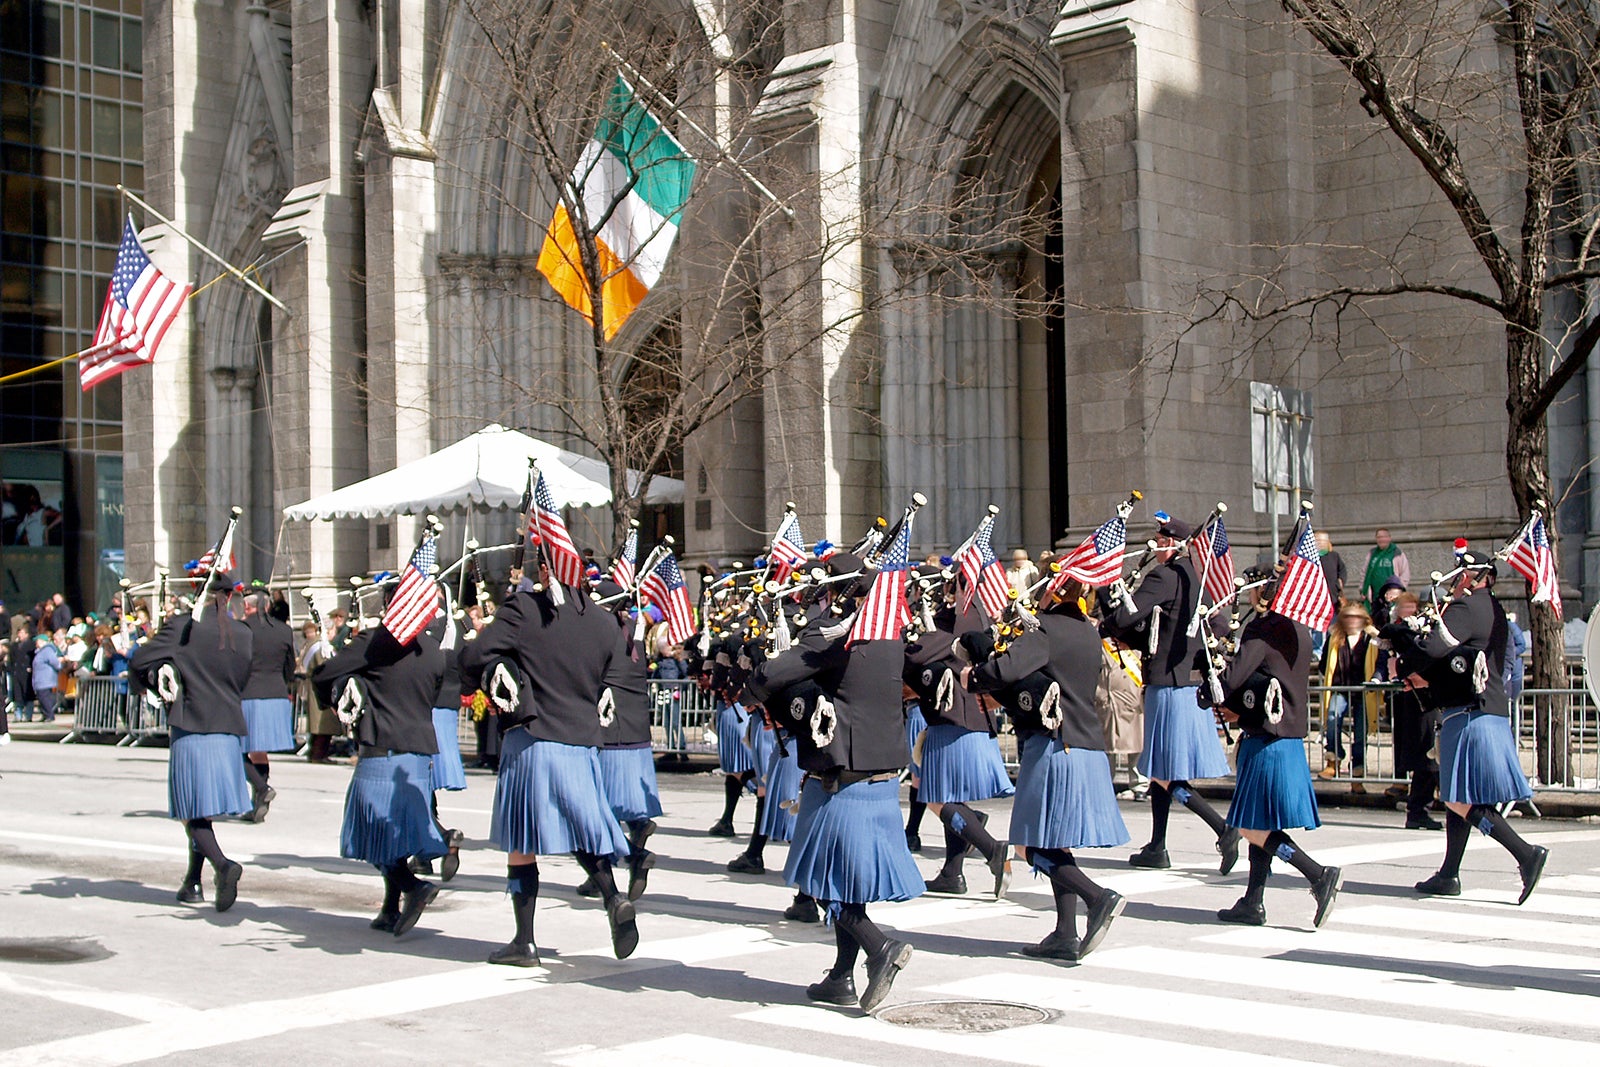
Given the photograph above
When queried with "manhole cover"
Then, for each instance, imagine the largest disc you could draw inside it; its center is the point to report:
(964, 1016)
(51, 950)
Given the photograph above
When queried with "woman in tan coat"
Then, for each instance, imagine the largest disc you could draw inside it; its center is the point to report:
(1119, 698)
(321, 723)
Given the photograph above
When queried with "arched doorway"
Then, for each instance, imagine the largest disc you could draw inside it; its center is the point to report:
(972, 399)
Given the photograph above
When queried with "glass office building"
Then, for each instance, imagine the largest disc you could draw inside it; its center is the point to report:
(71, 130)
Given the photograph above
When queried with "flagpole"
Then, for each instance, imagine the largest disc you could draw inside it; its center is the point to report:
(181, 232)
(664, 100)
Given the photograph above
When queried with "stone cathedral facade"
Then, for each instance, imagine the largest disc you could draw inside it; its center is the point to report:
(1175, 147)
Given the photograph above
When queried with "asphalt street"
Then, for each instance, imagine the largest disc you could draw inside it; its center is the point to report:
(99, 964)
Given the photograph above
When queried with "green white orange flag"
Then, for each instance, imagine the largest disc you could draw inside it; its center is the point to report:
(634, 177)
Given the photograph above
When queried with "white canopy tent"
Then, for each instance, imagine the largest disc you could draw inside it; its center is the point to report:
(489, 469)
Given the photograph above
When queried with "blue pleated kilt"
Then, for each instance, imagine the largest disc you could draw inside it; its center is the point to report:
(1180, 737)
(551, 800)
(916, 723)
(1065, 799)
(731, 751)
(630, 779)
(960, 766)
(205, 776)
(1273, 789)
(446, 771)
(387, 816)
(783, 787)
(270, 723)
(1478, 761)
(849, 847)
(762, 743)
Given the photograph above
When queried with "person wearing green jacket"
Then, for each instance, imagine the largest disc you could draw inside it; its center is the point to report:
(1385, 561)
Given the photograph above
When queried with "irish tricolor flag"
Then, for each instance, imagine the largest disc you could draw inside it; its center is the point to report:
(634, 178)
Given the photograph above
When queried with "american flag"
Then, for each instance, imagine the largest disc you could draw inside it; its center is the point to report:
(884, 612)
(1303, 590)
(1219, 576)
(1530, 556)
(140, 307)
(664, 587)
(416, 602)
(983, 573)
(622, 566)
(566, 564)
(1098, 561)
(787, 547)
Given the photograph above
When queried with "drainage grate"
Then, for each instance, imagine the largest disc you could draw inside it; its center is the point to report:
(964, 1016)
(51, 950)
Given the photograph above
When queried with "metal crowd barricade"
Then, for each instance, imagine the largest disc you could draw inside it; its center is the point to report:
(100, 709)
(147, 720)
(1557, 732)
(683, 717)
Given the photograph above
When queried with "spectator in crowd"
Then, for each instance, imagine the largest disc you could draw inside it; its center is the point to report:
(321, 723)
(60, 613)
(1414, 726)
(1021, 572)
(340, 630)
(1333, 568)
(670, 666)
(280, 606)
(1350, 661)
(19, 671)
(1516, 648)
(46, 677)
(1119, 700)
(5, 622)
(1384, 562)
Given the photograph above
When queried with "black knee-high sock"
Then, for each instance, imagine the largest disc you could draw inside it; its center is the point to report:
(732, 786)
(264, 768)
(1064, 871)
(1260, 867)
(1282, 846)
(196, 861)
(391, 893)
(1185, 795)
(522, 879)
(1066, 910)
(433, 809)
(403, 876)
(965, 823)
(1494, 824)
(252, 771)
(758, 840)
(914, 816)
(955, 849)
(849, 951)
(204, 839)
(598, 868)
(1160, 808)
(1456, 832)
(853, 917)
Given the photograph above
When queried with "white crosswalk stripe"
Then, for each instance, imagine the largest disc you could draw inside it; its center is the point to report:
(1420, 984)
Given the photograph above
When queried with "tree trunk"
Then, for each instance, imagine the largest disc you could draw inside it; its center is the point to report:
(1528, 468)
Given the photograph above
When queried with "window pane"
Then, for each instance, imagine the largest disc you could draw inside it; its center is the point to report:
(47, 116)
(107, 219)
(49, 16)
(132, 46)
(107, 41)
(132, 133)
(107, 129)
